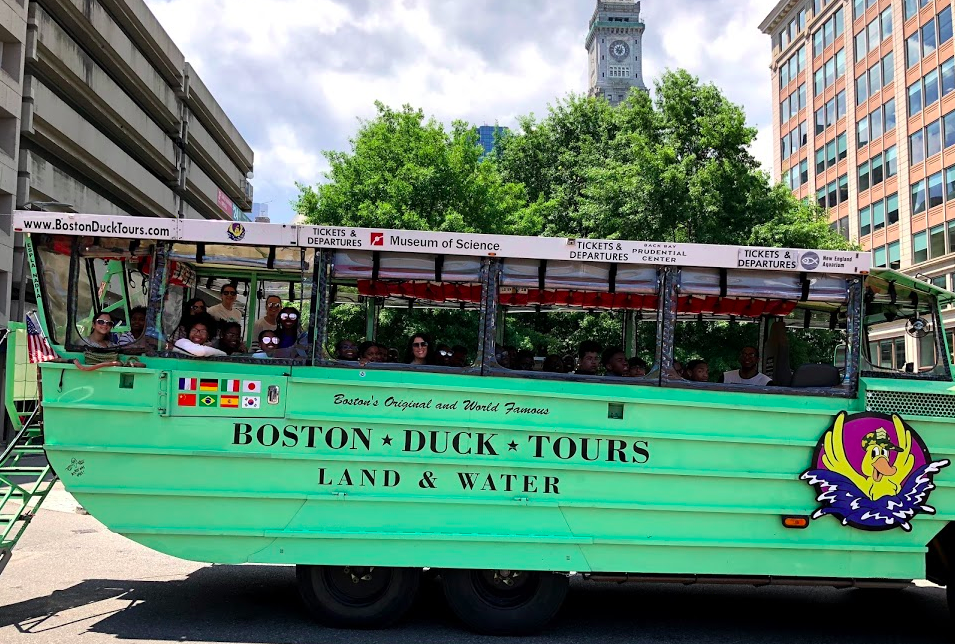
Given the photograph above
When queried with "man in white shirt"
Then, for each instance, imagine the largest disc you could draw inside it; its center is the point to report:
(225, 310)
(748, 373)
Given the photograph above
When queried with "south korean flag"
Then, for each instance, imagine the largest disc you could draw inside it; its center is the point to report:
(250, 402)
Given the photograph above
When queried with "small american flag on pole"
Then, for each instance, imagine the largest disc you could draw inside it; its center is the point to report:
(38, 349)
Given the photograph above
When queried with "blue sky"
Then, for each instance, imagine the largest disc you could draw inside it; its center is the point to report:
(295, 76)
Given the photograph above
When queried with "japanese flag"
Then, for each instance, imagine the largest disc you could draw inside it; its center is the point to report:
(250, 402)
(252, 386)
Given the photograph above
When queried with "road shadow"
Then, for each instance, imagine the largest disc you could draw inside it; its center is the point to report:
(260, 604)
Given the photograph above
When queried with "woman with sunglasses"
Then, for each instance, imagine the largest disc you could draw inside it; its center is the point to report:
(289, 330)
(418, 351)
(102, 331)
(268, 343)
(269, 321)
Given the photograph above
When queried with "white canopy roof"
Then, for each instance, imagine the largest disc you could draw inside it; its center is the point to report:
(462, 244)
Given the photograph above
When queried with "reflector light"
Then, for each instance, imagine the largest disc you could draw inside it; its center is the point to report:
(796, 522)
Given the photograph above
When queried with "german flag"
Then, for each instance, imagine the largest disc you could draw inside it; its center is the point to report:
(209, 384)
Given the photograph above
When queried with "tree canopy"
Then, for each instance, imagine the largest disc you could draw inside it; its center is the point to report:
(676, 166)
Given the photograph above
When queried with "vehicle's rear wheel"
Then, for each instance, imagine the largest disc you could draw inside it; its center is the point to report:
(357, 596)
(504, 602)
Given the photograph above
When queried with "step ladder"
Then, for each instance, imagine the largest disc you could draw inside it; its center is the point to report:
(26, 477)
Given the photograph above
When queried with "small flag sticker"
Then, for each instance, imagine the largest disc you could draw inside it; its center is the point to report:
(209, 384)
(230, 385)
(228, 401)
(207, 401)
(250, 402)
(252, 386)
(187, 400)
(188, 384)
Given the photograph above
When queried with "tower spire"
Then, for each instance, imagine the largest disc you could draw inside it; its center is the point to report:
(615, 46)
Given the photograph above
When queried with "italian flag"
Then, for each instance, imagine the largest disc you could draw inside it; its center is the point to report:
(230, 385)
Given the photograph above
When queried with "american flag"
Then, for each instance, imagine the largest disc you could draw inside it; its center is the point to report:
(38, 349)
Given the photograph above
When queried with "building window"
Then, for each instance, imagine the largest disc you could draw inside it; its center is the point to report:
(936, 241)
(915, 98)
(935, 190)
(865, 221)
(864, 176)
(892, 209)
(891, 162)
(618, 71)
(918, 197)
(919, 247)
(895, 255)
(917, 147)
(913, 52)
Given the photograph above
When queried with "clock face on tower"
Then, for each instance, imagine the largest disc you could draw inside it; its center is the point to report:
(619, 49)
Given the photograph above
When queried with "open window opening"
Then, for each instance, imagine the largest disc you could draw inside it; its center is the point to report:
(760, 329)
(107, 292)
(233, 302)
(402, 309)
(562, 319)
(901, 338)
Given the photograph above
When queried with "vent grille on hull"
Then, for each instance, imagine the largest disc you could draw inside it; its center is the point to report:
(910, 404)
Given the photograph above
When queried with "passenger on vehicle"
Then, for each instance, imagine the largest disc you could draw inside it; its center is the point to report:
(197, 342)
(503, 357)
(525, 360)
(679, 368)
(459, 356)
(224, 310)
(418, 351)
(268, 343)
(230, 339)
(614, 362)
(346, 350)
(137, 326)
(391, 354)
(748, 372)
(270, 321)
(570, 363)
(553, 364)
(698, 371)
(588, 358)
(638, 367)
(442, 355)
(289, 329)
(100, 333)
(370, 352)
(195, 306)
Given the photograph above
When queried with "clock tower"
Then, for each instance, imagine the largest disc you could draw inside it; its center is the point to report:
(615, 47)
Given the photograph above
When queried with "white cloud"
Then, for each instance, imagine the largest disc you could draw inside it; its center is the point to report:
(295, 75)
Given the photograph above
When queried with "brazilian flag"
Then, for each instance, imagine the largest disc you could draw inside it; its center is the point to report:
(207, 400)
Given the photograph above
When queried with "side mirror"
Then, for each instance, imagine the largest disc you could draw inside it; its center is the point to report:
(839, 357)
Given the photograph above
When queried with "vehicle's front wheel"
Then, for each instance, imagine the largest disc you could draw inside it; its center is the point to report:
(357, 596)
(504, 602)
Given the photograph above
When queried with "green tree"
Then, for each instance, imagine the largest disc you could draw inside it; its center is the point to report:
(406, 172)
(672, 167)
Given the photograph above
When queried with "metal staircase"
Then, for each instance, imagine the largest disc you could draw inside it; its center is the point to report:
(26, 477)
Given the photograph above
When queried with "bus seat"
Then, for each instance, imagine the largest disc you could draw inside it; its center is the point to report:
(816, 375)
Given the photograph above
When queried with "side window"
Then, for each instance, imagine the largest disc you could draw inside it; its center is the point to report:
(577, 318)
(900, 332)
(216, 302)
(52, 255)
(107, 314)
(759, 328)
(404, 309)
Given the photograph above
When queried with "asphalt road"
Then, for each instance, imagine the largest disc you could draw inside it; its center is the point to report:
(71, 580)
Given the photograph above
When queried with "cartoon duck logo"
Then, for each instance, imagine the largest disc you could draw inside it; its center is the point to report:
(236, 231)
(873, 472)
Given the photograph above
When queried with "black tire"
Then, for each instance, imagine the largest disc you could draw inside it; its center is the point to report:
(357, 596)
(508, 602)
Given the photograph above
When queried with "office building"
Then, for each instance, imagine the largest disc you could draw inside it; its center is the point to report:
(101, 113)
(865, 93)
(615, 50)
(487, 135)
